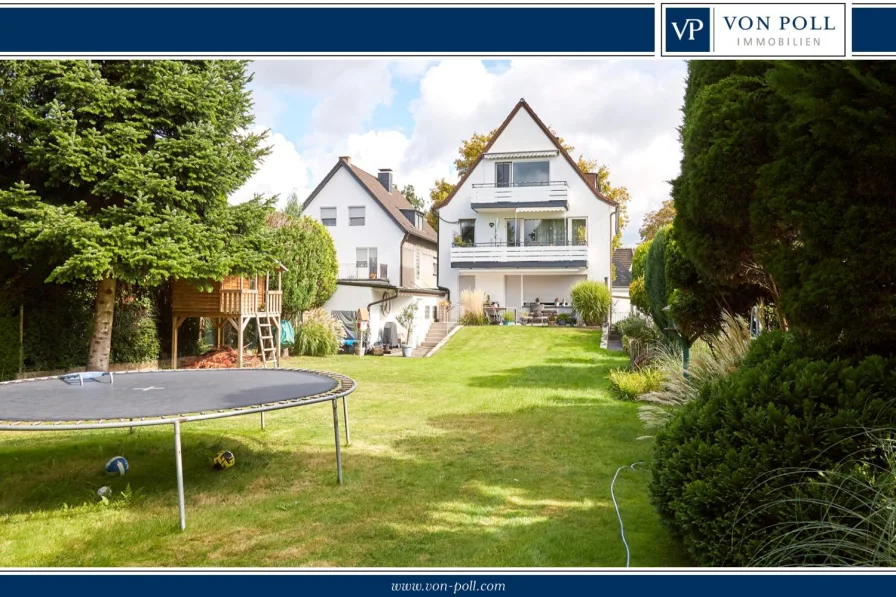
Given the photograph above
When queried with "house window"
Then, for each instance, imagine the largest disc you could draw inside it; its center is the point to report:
(502, 174)
(467, 232)
(530, 173)
(435, 267)
(426, 312)
(512, 233)
(355, 216)
(417, 265)
(328, 216)
(366, 262)
(578, 231)
(551, 232)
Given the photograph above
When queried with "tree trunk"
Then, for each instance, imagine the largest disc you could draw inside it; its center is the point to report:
(101, 338)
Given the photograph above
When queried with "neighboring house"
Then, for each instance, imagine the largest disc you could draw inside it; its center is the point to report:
(622, 305)
(525, 222)
(387, 253)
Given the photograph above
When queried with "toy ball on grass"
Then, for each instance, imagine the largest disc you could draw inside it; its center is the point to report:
(117, 466)
(224, 459)
(104, 492)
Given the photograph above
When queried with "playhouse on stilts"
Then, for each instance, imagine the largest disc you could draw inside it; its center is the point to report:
(237, 301)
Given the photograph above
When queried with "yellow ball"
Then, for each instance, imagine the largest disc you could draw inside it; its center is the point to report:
(224, 459)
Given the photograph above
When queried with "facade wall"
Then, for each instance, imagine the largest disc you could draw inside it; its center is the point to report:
(379, 231)
(428, 255)
(352, 298)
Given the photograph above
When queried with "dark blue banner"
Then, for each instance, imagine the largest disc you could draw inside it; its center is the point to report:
(329, 30)
(461, 583)
(873, 29)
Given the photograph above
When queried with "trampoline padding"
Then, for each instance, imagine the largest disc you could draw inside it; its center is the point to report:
(156, 394)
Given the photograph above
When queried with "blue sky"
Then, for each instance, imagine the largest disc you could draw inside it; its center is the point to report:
(411, 116)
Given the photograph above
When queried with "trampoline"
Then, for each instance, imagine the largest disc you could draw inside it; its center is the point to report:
(100, 400)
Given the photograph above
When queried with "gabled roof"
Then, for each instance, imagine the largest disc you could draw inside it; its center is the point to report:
(522, 105)
(392, 202)
(624, 256)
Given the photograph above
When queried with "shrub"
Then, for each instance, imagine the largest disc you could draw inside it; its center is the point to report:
(787, 407)
(305, 247)
(565, 318)
(842, 517)
(628, 385)
(508, 316)
(638, 328)
(319, 335)
(135, 338)
(591, 300)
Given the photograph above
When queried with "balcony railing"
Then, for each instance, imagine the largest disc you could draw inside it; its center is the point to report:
(533, 255)
(363, 271)
(555, 190)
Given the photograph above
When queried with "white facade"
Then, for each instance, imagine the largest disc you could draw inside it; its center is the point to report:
(350, 297)
(379, 231)
(514, 260)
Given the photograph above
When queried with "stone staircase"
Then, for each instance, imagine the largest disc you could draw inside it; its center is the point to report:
(437, 332)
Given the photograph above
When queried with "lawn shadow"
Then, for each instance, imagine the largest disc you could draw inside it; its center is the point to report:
(528, 487)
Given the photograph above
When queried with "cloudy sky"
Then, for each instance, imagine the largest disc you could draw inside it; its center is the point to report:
(411, 116)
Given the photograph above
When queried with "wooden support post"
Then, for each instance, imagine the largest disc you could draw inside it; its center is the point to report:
(219, 324)
(175, 323)
(240, 344)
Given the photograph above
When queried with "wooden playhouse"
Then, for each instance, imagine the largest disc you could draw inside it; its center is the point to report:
(237, 301)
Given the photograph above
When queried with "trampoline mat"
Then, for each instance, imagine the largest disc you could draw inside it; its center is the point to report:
(156, 393)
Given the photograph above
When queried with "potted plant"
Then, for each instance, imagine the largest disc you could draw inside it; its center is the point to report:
(406, 319)
(508, 318)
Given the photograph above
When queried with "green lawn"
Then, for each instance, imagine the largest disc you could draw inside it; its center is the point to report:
(497, 451)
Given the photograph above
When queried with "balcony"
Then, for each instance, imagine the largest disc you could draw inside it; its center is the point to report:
(537, 196)
(499, 255)
(363, 271)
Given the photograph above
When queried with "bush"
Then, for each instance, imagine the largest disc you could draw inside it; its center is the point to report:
(848, 514)
(135, 338)
(638, 328)
(305, 247)
(628, 385)
(786, 407)
(473, 319)
(565, 318)
(591, 300)
(319, 335)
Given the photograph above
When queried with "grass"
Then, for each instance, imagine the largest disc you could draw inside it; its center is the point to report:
(497, 451)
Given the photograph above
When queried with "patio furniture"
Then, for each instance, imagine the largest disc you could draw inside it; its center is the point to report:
(495, 314)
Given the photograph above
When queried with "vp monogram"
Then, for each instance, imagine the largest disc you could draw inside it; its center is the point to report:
(691, 26)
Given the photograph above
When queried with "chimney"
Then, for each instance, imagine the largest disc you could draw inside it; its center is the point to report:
(385, 178)
(346, 158)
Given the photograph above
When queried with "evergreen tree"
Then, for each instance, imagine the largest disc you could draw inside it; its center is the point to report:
(119, 171)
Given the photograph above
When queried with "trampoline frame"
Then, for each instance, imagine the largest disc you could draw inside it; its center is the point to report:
(345, 386)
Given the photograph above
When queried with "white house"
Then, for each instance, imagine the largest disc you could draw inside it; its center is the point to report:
(387, 253)
(525, 222)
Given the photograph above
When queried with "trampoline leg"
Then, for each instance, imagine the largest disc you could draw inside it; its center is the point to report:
(348, 435)
(180, 475)
(262, 421)
(338, 449)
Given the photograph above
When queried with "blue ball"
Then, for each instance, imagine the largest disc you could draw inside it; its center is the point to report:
(117, 466)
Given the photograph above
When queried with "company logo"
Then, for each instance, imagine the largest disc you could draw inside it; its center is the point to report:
(687, 30)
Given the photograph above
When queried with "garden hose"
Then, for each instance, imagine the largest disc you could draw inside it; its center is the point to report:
(618, 515)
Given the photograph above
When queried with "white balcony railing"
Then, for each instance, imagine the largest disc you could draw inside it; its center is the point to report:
(548, 191)
(355, 271)
(573, 254)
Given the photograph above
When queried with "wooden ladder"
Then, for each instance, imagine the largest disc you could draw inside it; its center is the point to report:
(266, 341)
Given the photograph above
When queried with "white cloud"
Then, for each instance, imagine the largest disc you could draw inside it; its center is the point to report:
(283, 171)
(622, 113)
